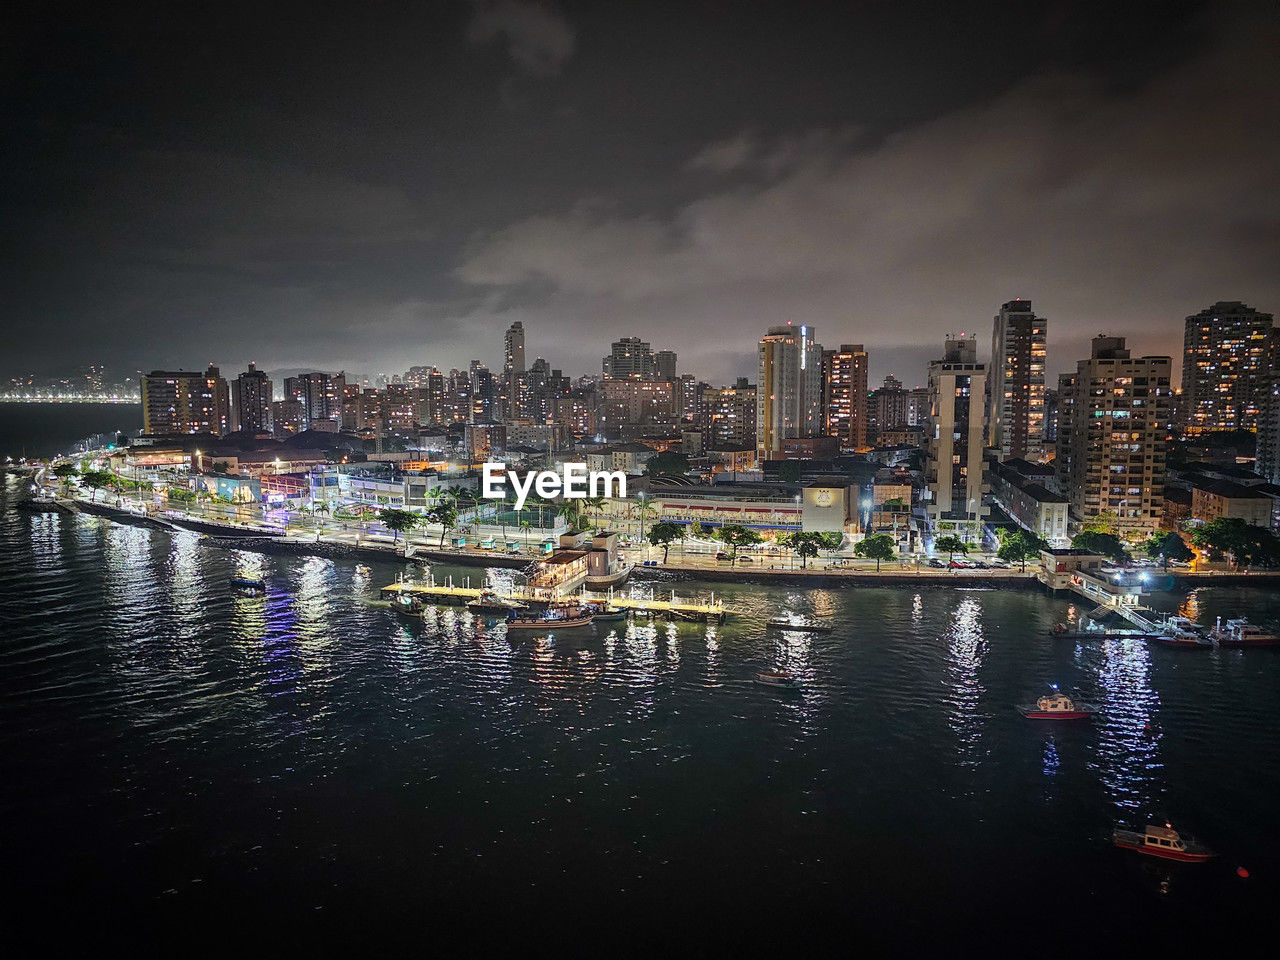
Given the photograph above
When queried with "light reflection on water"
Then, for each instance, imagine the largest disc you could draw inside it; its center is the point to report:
(226, 721)
(966, 647)
(1127, 759)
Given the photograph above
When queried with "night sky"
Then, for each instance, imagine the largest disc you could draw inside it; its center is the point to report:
(394, 184)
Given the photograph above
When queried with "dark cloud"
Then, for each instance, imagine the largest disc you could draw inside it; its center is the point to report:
(1119, 212)
(537, 37)
(395, 184)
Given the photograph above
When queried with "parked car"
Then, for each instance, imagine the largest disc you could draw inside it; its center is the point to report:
(722, 557)
(933, 562)
(745, 560)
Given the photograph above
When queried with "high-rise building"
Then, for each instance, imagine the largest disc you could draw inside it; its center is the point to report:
(512, 369)
(628, 407)
(789, 388)
(251, 401)
(728, 416)
(664, 365)
(1269, 429)
(288, 417)
(1225, 367)
(887, 409)
(954, 439)
(1113, 416)
(320, 394)
(1015, 389)
(630, 359)
(513, 350)
(844, 394)
(185, 401)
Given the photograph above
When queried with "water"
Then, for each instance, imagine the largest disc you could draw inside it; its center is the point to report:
(308, 769)
(44, 429)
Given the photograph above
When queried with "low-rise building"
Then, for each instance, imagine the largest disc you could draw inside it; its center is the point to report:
(1215, 499)
(1017, 488)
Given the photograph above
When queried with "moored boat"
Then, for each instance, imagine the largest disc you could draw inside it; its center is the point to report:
(1164, 842)
(490, 601)
(776, 678)
(554, 619)
(409, 606)
(603, 613)
(803, 626)
(249, 584)
(1181, 633)
(1057, 706)
(1239, 632)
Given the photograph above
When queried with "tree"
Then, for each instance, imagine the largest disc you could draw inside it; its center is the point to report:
(877, 547)
(96, 480)
(668, 464)
(832, 540)
(695, 529)
(571, 510)
(664, 534)
(951, 544)
(644, 510)
(1104, 544)
(64, 472)
(445, 514)
(805, 545)
(397, 521)
(1103, 522)
(734, 535)
(1018, 546)
(1168, 546)
(789, 471)
(1246, 544)
(525, 525)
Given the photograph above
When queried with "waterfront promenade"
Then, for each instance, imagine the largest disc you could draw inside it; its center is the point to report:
(287, 531)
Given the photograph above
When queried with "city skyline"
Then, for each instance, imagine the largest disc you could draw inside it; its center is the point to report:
(492, 180)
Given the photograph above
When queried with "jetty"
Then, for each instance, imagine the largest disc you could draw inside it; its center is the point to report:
(710, 610)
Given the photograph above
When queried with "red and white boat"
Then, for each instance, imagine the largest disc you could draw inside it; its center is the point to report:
(1164, 842)
(1239, 632)
(1057, 706)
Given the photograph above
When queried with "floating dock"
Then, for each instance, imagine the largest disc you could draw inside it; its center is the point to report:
(711, 610)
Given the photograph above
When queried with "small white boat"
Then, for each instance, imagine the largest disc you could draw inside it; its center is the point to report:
(1181, 633)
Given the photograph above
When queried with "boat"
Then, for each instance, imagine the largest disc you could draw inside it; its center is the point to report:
(802, 626)
(409, 606)
(490, 601)
(553, 619)
(1162, 841)
(776, 678)
(1239, 632)
(1181, 633)
(249, 584)
(1057, 706)
(603, 613)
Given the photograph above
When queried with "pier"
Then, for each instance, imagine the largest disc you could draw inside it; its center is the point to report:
(449, 592)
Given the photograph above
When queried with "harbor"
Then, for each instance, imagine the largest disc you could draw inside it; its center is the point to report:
(457, 594)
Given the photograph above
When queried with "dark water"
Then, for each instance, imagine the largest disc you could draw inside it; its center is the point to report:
(309, 770)
(45, 429)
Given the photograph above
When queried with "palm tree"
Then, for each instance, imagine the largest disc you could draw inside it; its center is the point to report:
(644, 510)
(525, 525)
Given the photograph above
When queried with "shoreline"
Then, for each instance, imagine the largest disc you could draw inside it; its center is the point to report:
(277, 543)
